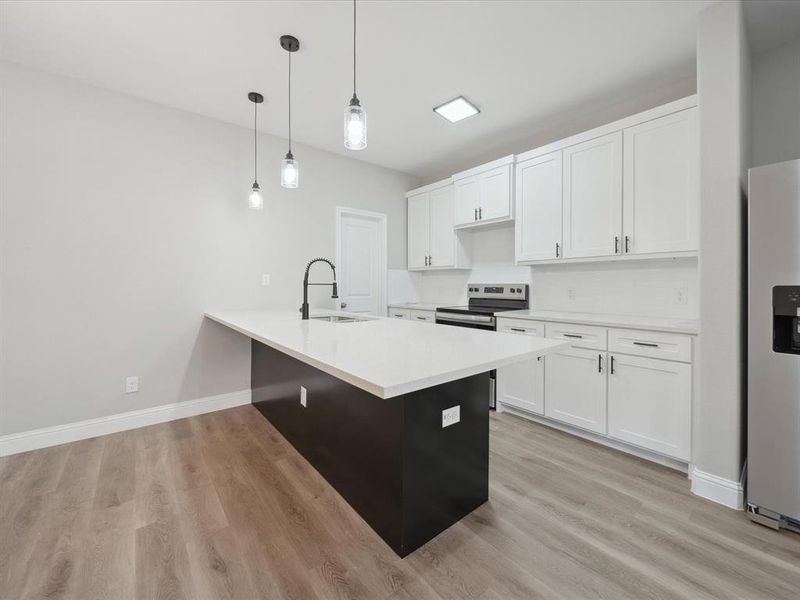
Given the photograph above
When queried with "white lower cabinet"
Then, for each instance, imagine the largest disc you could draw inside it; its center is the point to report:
(521, 385)
(649, 404)
(399, 313)
(575, 388)
(424, 316)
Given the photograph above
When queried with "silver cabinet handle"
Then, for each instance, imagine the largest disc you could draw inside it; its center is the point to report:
(480, 213)
(645, 344)
(627, 244)
(558, 248)
(599, 363)
(517, 329)
(422, 318)
(476, 215)
(430, 260)
(616, 244)
(573, 335)
(612, 364)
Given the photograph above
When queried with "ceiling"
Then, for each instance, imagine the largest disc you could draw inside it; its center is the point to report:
(520, 62)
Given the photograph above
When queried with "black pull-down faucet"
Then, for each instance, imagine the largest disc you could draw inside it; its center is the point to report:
(304, 307)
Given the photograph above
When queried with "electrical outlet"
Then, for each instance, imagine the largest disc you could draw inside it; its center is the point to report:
(451, 416)
(303, 399)
(265, 279)
(131, 385)
(681, 296)
(571, 293)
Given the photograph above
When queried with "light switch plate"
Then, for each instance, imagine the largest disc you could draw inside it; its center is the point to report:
(303, 396)
(451, 416)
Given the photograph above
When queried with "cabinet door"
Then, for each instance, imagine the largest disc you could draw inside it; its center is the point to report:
(495, 194)
(649, 404)
(575, 387)
(418, 231)
(661, 187)
(593, 197)
(521, 385)
(442, 237)
(467, 192)
(538, 216)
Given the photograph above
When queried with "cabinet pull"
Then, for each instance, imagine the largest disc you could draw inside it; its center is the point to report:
(539, 358)
(430, 260)
(612, 364)
(646, 344)
(476, 215)
(627, 244)
(573, 335)
(599, 363)
(517, 329)
(480, 213)
(557, 249)
(399, 316)
(616, 244)
(422, 318)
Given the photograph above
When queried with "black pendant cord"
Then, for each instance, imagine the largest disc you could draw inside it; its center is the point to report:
(255, 143)
(290, 102)
(354, 48)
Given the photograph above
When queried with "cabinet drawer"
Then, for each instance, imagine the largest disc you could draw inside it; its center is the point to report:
(425, 316)
(581, 336)
(521, 327)
(652, 344)
(399, 313)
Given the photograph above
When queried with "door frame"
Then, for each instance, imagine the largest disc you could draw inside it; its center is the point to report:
(342, 211)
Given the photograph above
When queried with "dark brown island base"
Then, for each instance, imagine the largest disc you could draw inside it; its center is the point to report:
(408, 474)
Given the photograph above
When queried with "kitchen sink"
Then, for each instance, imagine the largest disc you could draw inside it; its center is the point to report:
(340, 318)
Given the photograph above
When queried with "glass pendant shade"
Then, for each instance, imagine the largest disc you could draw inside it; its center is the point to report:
(290, 172)
(355, 126)
(255, 199)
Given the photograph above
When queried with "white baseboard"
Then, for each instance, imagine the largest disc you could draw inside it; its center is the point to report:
(81, 430)
(722, 491)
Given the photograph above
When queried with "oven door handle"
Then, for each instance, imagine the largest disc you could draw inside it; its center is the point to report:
(464, 318)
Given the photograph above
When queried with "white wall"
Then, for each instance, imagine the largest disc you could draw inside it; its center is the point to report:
(775, 108)
(723, 88)
(123, 220)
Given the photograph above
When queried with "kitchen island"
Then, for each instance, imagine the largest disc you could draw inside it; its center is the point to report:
(393, 414)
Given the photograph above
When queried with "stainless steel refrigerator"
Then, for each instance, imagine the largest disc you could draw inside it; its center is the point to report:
(773, 414)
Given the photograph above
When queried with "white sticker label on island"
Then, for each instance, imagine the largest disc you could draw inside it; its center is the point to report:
(451, 416)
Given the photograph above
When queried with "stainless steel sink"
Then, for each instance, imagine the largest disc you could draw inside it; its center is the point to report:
(339, 318)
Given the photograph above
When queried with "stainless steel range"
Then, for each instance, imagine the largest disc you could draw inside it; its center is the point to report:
(485, 301)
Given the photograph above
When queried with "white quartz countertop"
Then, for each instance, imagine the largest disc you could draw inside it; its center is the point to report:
(384, 356)
(417, 305)
(687, 326)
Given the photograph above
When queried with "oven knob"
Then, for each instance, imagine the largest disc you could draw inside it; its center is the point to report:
(519, 290)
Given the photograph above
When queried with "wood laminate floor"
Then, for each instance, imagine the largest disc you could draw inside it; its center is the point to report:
(220, 506)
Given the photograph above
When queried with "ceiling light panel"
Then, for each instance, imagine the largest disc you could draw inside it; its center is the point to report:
(457, 109)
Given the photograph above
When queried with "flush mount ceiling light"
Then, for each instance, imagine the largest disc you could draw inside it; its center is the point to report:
(256, 201)
(457, 109)
(290, 169)
(355, 117)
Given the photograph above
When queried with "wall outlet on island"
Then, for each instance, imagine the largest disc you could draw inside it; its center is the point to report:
(451, 416)
(681, 296)
(303, 399)
(131, 385)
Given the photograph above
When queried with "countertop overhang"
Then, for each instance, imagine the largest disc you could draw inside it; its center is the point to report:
(383, 356)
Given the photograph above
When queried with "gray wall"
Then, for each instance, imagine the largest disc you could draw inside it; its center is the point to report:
(723, 88)
(775, 108)
(122, 221)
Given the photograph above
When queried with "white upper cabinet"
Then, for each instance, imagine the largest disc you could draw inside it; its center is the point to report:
(661, 186)
(442, 238)
(483, 194)
(418, 231)
(432, 241)
(592, 199)
(538, 208)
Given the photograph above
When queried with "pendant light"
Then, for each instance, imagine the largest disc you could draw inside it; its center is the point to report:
(355, 117)
(256, 200)
(290, 169)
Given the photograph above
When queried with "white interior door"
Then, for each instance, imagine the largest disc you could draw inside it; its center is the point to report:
(442, 237)
(361, 260)
(593, 197)
(538, 217)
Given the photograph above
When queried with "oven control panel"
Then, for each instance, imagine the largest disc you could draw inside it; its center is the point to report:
(498, 291)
